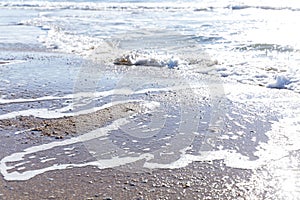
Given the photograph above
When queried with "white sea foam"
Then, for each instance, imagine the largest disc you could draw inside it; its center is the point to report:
(67, 42)
(280, 83)
(45, 98)
(149, 59)
(59, 113)
(47, 113)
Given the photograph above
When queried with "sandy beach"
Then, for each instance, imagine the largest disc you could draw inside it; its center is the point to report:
(82, 175)
(117, 100)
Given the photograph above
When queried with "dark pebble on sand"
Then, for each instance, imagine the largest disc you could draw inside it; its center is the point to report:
(132, 184)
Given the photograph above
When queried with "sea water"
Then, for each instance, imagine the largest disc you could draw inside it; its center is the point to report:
(253, 42)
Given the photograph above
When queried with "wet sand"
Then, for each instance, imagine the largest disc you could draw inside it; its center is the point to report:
(66, 126)
(198, 180)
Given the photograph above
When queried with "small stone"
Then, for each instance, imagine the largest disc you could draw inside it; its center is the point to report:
(132, 184)
(145, 181)
(165, 185)
(10, 188)
(125, 188)
(107, 198)
(187, 184)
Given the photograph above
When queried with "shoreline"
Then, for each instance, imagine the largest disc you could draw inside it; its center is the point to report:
(246, 125)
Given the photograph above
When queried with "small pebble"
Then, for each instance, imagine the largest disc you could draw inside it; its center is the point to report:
(132, 184)
(187, 184)
(145, 181)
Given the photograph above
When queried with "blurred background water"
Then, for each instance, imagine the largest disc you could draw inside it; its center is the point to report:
(253, 42)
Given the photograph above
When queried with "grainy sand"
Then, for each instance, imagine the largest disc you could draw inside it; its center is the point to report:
(199, 180)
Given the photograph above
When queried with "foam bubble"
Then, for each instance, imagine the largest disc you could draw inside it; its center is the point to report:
(280, 82)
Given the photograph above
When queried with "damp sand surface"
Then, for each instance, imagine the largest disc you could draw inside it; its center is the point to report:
(105, 145)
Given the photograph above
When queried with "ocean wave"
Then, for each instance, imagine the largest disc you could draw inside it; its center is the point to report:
(241, 7)
(265, 47)
(103, 6)
(207, 39)
(166, 6)
(148, 59)
(281, 82)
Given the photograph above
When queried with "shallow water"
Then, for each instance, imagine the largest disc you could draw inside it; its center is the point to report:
(253, 41)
